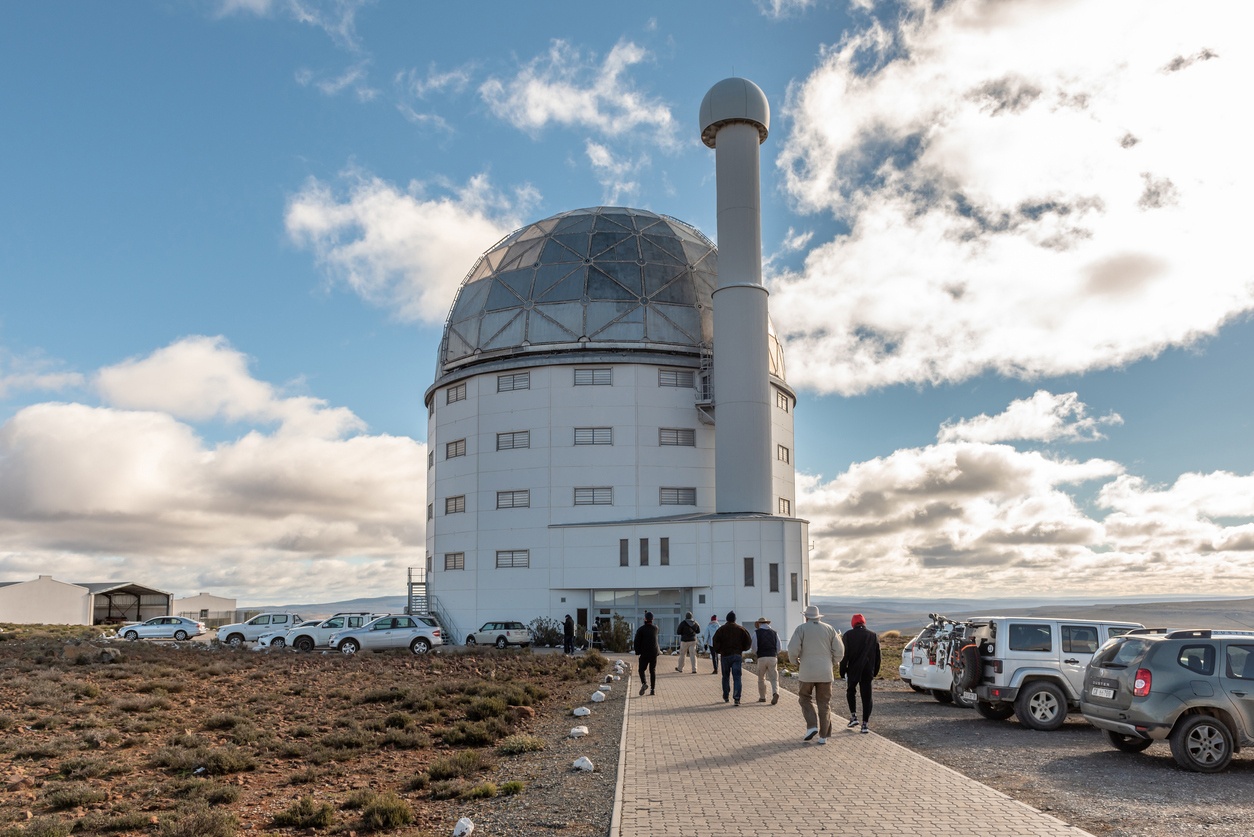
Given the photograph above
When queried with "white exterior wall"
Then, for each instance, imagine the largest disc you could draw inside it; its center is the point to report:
(202, 601)
(783, 474)
(45, 601)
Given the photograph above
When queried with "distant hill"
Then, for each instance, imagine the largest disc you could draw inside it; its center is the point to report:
(378, 604)
(909, 615)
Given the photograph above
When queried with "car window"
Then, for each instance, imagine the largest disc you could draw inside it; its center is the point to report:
(381, 625)
(1112, 632)
(428, 621)
(404, 622)
(336, 622)
(279, 620)
(1197, 658)
(1121, 653)
(354, 621)
(516, 626)
(1241, 662)
(259, 620)
(1029, 637)
(1079, 639)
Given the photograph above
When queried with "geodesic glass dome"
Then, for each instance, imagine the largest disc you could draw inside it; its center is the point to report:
(611, 276)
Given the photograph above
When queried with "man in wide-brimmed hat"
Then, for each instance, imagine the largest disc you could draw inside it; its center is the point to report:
(816, 648)
(766, 652)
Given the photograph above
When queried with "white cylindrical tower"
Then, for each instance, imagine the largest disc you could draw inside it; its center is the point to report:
(735, 119)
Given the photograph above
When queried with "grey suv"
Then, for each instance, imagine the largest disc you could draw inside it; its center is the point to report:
(1193, 688)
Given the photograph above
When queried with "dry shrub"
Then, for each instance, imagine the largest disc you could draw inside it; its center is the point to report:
(463, 763)
(305, 814)
(198, 820)
(73, 795)
(387, 811)
(517, 744)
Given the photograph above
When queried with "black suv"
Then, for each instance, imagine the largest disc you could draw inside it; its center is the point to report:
(1193, 688)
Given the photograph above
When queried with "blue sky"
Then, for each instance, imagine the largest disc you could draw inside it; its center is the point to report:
(1004, 241)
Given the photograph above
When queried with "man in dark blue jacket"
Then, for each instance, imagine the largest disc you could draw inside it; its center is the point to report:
(766, 652)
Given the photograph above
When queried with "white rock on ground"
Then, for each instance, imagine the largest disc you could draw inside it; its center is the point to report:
(605, 687)
(578, 732)
(465, 826)
(580, 711)
(582, 763)
(598, 697)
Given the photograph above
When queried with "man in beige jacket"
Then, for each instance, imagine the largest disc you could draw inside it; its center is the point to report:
(816, 649)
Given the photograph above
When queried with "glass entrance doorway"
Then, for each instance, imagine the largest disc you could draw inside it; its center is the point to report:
(668, 607)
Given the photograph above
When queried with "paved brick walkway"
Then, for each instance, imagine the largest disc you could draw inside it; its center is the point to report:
(695, 766)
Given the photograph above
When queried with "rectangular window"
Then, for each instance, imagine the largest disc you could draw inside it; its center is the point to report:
(783, 454)
(781, 400)
(513, 499)
(774, 577)
(599, 377)
(454, 560)
(675, 378)
(1199, 659)
(430, 459)
(748, 570)
(682, 436)
(1030, 637)
(513, 440)
(1240, 662)
(455, 505)
(594, 435)
(644, 552)
(792, 583)
(456, 393)
(664, 552)
(430, 511)
(453, 449)
(511, 382)
(594, 496)
(678, 497)
(1079, 639)
(785, 507)
(431, 408)
(506, 558)
(624, 559)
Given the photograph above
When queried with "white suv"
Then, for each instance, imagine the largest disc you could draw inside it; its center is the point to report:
(936, 660)
(250, 631)
(307, 638)
(1033, 667)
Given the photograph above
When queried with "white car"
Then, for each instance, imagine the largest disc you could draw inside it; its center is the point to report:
(417, 633)
(501, 634)
(312, 635)
(237, 634)
(278, 638)
(163, 627)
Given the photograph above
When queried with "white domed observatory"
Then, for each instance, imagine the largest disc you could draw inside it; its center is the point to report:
(597, 446)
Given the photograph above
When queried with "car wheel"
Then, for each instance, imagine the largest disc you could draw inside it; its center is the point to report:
(278, 642)
(501, 642)
(420, 646)
(303, 643)
(1127, 743)
(943, 695)
(349, 646)
(994, 711)
(131, 635)
(1202, 744)
(470, 640)
(235, 640)
(1041, 706)
(180, 635)
(964, 700)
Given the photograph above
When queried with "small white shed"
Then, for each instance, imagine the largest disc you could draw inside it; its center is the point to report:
(45, 601)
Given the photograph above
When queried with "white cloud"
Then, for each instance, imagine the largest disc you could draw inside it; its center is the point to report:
(107, 492)
(1044, 417)
(337, 18)
(617, 175)
(34, 373)
(403, 248)
(1031, 188)
(971, 517)
(568, 88)
(353, 78)
(422, 85)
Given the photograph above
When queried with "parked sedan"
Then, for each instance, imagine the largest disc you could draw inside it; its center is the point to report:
(417, 633)
(163, 627)
(501, 634)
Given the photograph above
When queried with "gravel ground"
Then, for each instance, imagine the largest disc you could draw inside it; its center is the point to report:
(1072, 773)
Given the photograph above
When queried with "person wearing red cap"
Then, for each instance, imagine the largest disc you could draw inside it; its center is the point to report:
(859, 666)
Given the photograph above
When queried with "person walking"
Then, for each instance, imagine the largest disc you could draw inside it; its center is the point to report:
(817, 649)
(648, 648)
(730, 642)
(859, 666)
(568, 635)
(689, 631)
(766, 651)
(708, 637)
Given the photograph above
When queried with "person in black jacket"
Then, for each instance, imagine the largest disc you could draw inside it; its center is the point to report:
(689, 632)
(568, 635)
(647, 646)
(859, 666)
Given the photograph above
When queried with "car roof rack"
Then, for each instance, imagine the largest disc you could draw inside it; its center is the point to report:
(1143, 631)
(1206, 633)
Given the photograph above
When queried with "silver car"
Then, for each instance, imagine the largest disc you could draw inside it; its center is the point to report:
(163, 627)
(417, 633)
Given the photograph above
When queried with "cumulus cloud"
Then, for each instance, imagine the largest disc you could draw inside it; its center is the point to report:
(1028, 188)
(569, 88)
(616, 174)
(130, 489)
(403, 248)
(977, 517)
(1044, 417)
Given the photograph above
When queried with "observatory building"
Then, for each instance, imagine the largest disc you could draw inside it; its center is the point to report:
(610, 427)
